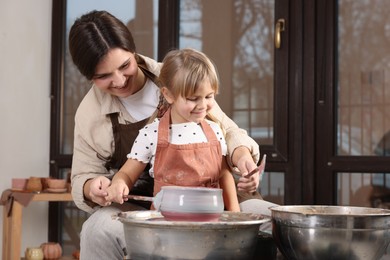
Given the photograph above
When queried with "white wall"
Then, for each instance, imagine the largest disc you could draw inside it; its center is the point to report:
(25, 42)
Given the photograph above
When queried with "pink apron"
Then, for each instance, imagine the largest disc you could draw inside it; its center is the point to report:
(196, 165)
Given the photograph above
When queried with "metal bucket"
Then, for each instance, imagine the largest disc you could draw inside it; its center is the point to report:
(149, 236)
(331, 232)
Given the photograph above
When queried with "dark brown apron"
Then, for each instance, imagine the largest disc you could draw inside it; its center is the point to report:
(124, 137)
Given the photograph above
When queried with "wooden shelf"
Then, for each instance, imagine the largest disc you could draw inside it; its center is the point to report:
(52, 197)
(12, 219)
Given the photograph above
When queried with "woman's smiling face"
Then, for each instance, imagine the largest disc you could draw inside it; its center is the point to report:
(118, 74)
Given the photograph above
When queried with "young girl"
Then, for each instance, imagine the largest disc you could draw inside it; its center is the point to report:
(183, 147)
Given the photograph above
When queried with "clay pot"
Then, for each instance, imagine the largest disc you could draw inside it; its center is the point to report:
(51, 250)
(44, 183)
(76, 254)
(34, 184)
(56, 183)
(19, 183)
(34, 253)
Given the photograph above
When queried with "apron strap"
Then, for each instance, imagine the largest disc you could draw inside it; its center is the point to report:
(163, 105)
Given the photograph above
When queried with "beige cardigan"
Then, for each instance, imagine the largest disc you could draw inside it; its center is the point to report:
(93, 135)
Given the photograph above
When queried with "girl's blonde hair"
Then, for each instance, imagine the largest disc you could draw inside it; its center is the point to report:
(184, 70)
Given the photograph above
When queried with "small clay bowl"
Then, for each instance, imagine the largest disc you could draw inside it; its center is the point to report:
(56, 183)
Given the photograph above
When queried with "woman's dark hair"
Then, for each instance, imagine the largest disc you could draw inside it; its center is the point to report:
(91, 37)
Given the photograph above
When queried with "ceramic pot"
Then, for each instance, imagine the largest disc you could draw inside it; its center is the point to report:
(189, 203)
(44, 183)
(56, 183)
(19, 183)
(51, 250)
(34, 253)
(34, 184)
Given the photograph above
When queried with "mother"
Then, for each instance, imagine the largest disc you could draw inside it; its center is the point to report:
(124, 94)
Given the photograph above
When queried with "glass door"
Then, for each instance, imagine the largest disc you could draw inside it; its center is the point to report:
(363, 117)
(240, 41)
(353, 100)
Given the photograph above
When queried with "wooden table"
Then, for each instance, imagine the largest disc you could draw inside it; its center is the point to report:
(12, 223)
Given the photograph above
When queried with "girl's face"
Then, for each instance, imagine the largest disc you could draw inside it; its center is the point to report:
(118, 74)
(193, 108)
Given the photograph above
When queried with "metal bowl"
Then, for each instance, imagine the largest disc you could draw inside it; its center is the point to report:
(149, 236)
(331, 232)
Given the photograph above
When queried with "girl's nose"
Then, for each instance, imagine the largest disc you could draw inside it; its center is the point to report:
(118, 79)
(202, 103)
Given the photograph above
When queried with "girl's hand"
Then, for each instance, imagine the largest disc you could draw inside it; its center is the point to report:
(116, 191)
(256, 177)
(245, 164)
(248, 184)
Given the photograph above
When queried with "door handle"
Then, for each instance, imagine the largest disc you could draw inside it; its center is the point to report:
(279, 28)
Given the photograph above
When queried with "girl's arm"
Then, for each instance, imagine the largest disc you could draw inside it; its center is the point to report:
(226, 182)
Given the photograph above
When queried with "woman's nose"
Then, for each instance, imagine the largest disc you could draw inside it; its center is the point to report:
(118, 79)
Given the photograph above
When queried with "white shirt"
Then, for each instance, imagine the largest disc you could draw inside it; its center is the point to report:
(145, 145)
(147, 98)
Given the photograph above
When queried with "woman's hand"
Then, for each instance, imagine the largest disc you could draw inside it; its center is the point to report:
(95, 190)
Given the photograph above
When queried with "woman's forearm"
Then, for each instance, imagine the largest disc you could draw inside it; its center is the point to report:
(240, 153)
(236, 137)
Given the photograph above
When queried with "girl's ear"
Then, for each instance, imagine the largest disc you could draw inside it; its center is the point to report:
(167, 95)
